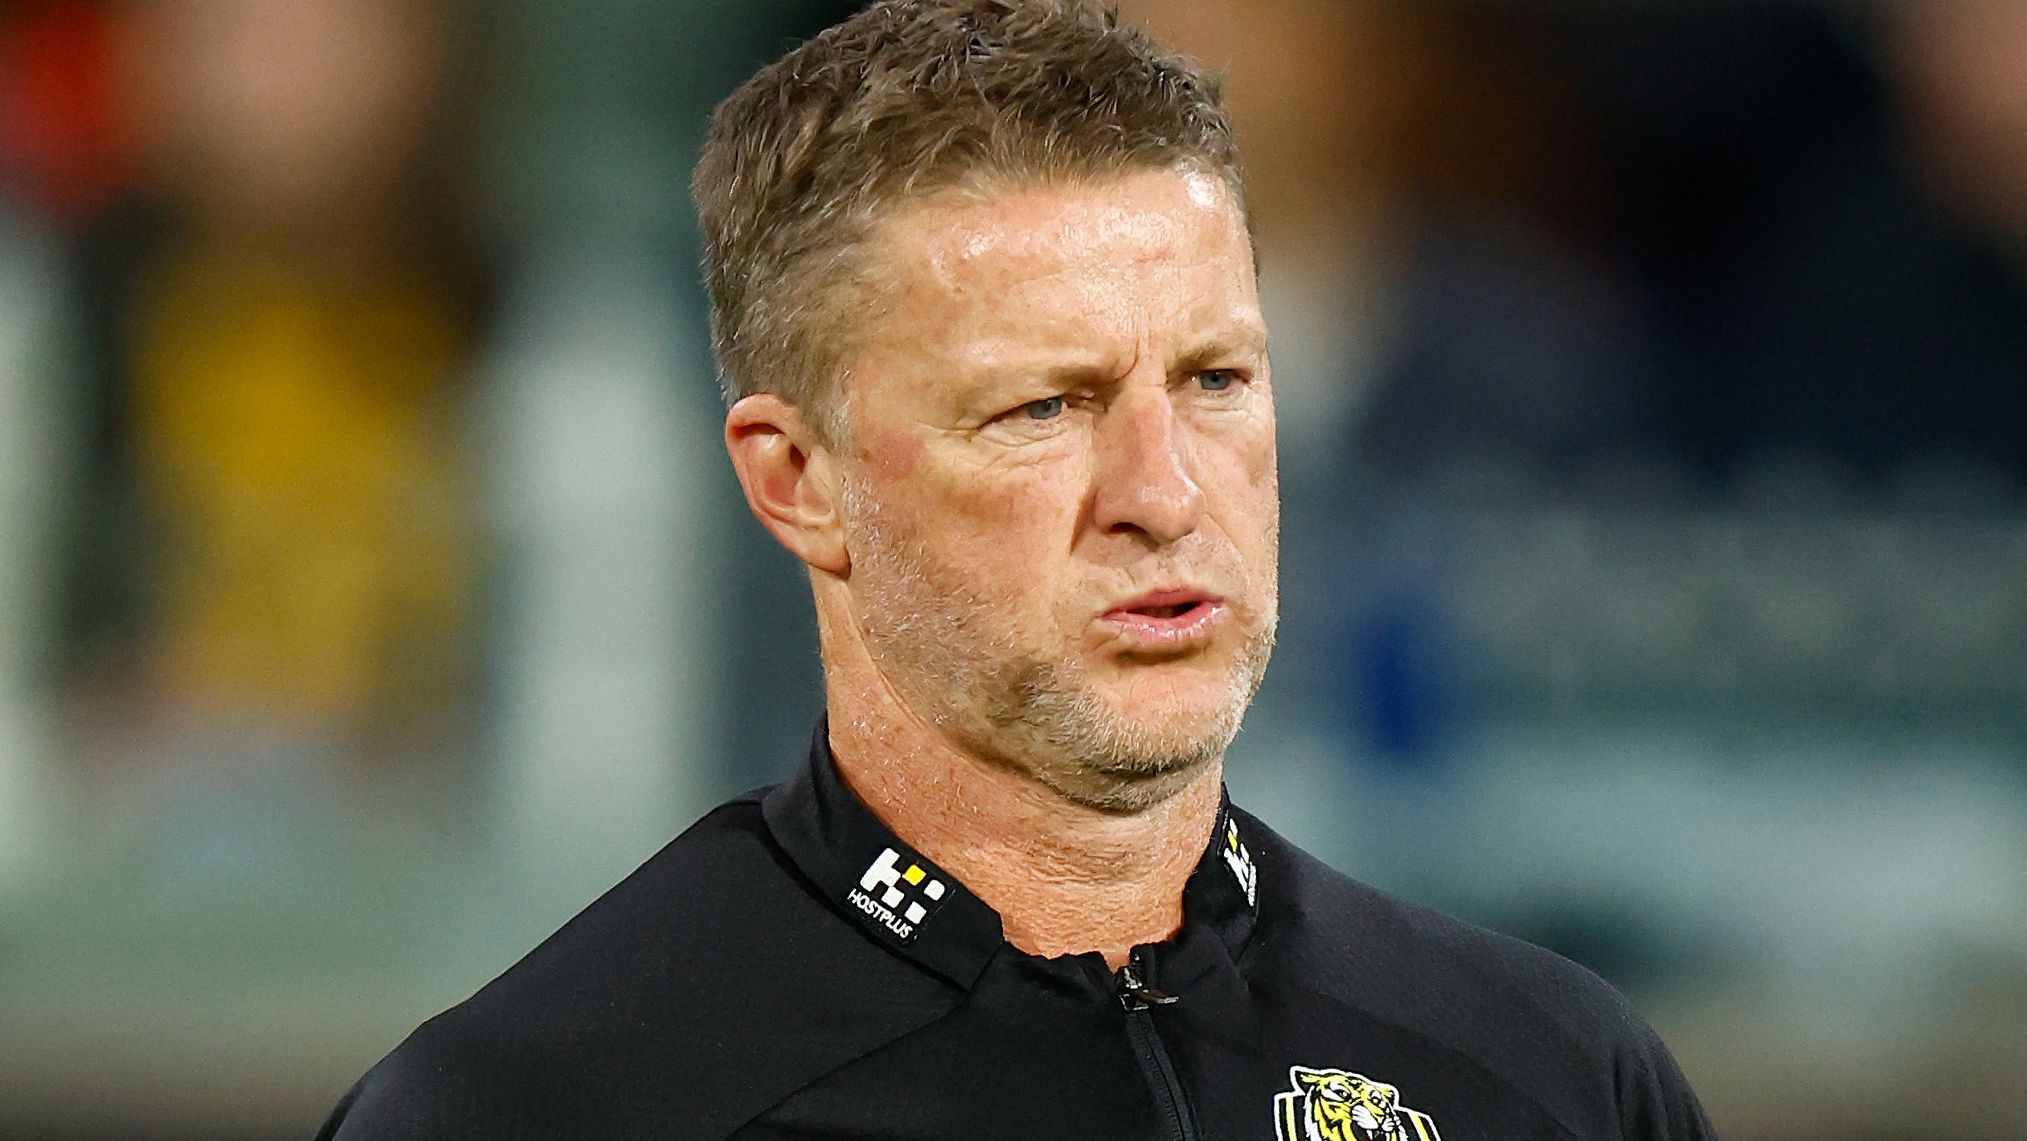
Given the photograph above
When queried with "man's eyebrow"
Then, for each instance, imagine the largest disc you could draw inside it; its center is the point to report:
(1246, 341)
(987, 388)
(1062, 373)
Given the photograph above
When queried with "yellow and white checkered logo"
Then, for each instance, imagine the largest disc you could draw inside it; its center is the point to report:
(1240, 861)
(899, 897)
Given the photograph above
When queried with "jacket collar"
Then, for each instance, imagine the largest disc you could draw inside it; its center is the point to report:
(898, 897)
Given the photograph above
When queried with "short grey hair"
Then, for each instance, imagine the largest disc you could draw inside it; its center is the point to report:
(903, 100)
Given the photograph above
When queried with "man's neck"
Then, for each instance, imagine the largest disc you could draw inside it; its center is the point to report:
(1065, 878)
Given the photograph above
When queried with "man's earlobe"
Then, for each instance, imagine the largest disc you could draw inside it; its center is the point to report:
(790, 479)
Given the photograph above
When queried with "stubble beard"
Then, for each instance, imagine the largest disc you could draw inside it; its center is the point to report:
(933, 638)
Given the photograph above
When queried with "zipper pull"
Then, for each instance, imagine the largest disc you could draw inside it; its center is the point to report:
(1135, 994)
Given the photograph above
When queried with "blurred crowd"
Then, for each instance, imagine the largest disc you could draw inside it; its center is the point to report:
(245, 482)
(1653, 397)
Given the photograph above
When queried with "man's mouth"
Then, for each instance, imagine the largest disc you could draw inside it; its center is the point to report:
(1168, 602)
(1175, 617)
(1176, 610)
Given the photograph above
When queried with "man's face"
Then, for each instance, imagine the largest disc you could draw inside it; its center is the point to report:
(1060, 499)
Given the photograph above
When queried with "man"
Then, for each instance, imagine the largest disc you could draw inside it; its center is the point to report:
(984, 299)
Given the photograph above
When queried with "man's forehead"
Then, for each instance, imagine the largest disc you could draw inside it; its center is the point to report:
(988, 288)
(1005, 230)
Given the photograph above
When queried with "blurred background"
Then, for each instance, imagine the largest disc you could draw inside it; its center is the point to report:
(373, 590)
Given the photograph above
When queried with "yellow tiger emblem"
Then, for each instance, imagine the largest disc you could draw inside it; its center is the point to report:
(1335, 1105)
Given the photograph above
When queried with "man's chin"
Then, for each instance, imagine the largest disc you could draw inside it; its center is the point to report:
(1131, 760)
(1176, 700)
(1127, 785)
(1114, 736)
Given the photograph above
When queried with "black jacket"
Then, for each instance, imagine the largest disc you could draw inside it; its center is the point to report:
(787, 968)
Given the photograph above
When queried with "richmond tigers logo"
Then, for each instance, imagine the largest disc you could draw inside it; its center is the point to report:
(1333, 1105)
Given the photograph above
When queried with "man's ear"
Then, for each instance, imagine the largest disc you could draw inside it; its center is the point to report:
(790, 478)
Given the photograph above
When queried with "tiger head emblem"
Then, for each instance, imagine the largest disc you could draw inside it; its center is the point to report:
(1334, 1105)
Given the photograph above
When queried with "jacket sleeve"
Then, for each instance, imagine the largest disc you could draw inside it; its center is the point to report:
(428, 1088)
(1655, 1101)
(336, 1121)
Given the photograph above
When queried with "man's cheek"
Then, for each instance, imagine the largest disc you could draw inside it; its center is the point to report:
(1006, 502)
(1246, 481)
(893, 455)
(1261, 466)
(1242, 452)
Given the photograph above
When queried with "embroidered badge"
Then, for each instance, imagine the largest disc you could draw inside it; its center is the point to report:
(898, 898)
(1240, 861)
(1333, 1105)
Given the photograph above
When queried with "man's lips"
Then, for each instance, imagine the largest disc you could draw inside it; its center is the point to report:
(1172, 617)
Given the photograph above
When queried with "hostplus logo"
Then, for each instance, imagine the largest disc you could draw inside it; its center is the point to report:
(898, 898)
(1240, 861)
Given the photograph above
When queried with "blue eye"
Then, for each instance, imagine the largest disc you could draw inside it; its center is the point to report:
(1045, 409)
(1217, 380)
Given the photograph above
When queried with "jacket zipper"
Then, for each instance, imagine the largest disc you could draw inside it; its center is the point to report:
(1139, 998)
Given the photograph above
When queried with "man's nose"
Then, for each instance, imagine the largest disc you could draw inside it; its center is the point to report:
(1144, 480)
